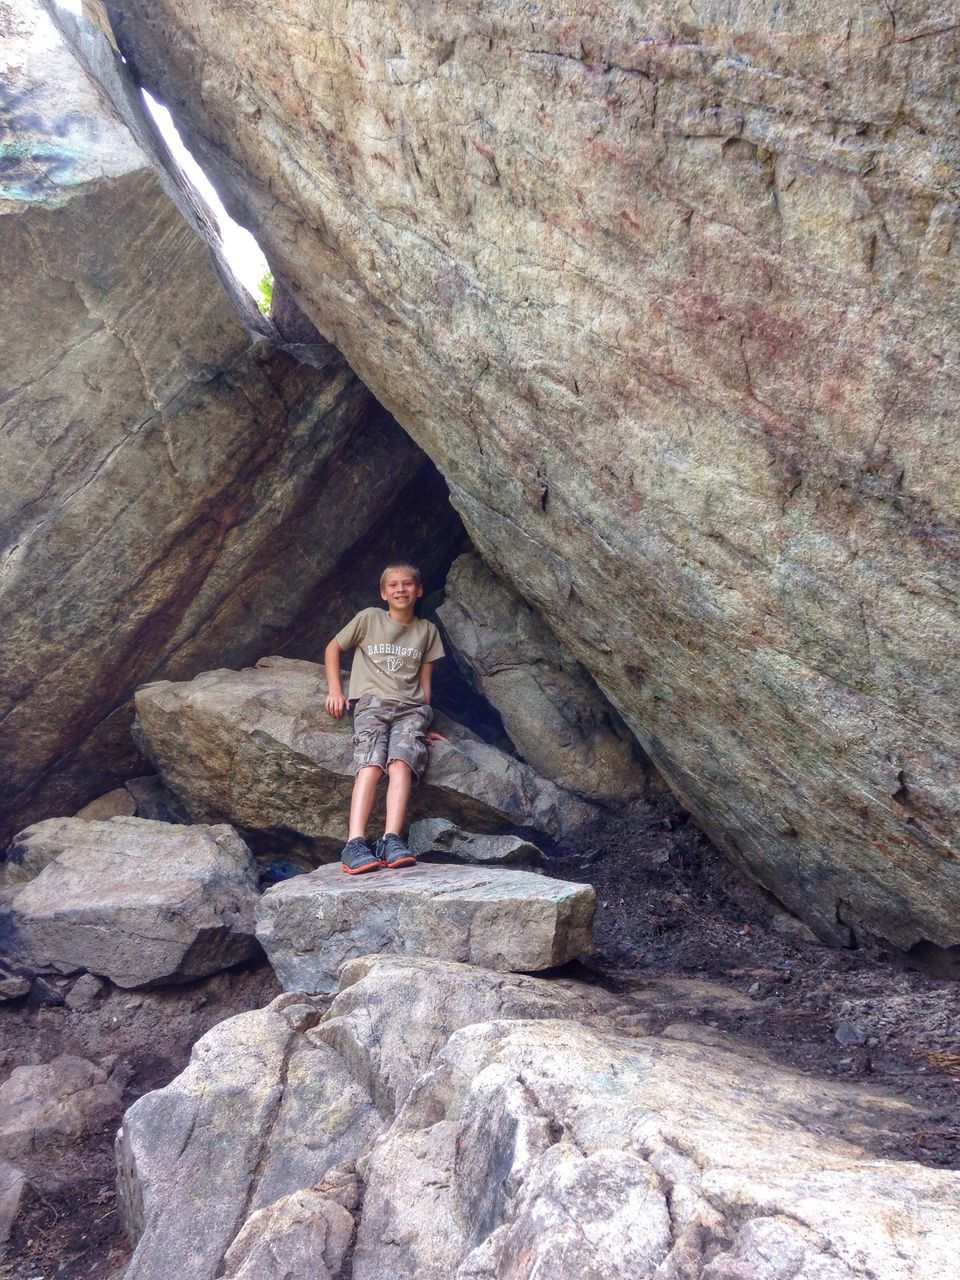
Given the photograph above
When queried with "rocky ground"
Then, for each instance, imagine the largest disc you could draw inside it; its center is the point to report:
(678, 931)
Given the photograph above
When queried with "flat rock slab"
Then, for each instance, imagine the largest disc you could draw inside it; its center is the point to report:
(256, 748)
(512, 921)
(135, 901)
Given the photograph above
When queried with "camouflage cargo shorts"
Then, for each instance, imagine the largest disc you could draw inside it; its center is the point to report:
(384, 730)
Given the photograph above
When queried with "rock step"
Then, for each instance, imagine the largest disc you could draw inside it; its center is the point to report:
(512, 921)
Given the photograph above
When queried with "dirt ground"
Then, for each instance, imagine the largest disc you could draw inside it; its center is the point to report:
(678, 931)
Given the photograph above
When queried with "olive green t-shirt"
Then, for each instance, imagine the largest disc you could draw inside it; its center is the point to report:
(388, 655)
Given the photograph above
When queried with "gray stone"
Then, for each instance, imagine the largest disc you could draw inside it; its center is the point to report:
(503, 1126)
(506, 920)
(160, 471)
(135, 901)
(12, 1186)
(257, 748)
(551, 708)
(847, 1034)
(84, 992)
(442, 838)
(264, 1109)
(669, 293)
(47, 1106)
(12, 984)
(302, 1236)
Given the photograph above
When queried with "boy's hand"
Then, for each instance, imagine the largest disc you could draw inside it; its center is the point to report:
(336, 705)
(436, 737)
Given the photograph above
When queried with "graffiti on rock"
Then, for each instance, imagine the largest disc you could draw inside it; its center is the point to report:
(39, 151)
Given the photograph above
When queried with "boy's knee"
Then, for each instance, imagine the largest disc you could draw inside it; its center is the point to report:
(398, 768)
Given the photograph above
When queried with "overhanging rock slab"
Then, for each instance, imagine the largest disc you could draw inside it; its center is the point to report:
(511, 921)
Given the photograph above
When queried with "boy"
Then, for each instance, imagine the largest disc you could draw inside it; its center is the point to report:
(390, 687)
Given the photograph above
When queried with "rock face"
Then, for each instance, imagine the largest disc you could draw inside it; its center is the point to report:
(669, 295)
(161, 473)
(555, 715)
(265, 1108)
(135, 901)
(257, 748)
(502, 1126)
(506, 920)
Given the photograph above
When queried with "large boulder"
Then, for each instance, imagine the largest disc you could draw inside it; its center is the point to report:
(257, 748)
(550, 1148)
(264, 1109)
(552, 710)
(160, 471)
(134, 901)
(668, 292)
(510, 920)
(502, 1126)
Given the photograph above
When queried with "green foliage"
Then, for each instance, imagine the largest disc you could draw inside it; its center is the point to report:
(265, 292)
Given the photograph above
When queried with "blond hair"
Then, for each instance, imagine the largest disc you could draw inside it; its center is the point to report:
(401, 564)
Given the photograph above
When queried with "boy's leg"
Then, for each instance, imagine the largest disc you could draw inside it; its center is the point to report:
(406, 760)
(370, 739)
(399, 783)
(361, 802)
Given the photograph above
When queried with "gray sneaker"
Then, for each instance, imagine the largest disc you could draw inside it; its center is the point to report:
(392, 852)
(357, 856)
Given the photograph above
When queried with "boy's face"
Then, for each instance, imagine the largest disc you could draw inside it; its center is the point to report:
(401, 590)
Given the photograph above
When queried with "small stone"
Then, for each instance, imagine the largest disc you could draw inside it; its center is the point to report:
(753, 989)
(84, 992)
(50, 1104)
(847, 1034)
(12, 985)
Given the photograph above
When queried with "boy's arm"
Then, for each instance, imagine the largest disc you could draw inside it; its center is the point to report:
(336, 703)
(426, 680)
(426, 684)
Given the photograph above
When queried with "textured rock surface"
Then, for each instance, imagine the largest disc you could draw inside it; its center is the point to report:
(446, 842)
(548, 1148)
(552, 710)
(135, 901)
(54, 1103)
(161, 474)
(264, 1109)
(257, 748)
(505, 1127)
(508, 920)
(669, 294)
(303, 1236)
(118, 803)
(12, 1186)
